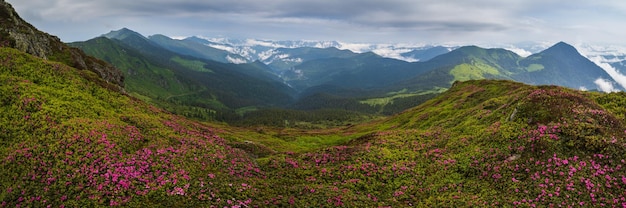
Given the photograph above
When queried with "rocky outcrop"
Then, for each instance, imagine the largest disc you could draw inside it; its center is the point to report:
(19, 34)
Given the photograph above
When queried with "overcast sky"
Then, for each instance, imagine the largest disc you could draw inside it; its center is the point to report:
(380, 21)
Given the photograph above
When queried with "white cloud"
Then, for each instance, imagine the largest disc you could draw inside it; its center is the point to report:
(178, 37)
(255, 42)
(605, 85)
(395, 53)
(616, 75)
(520, 52)
(355, 47)
(594, 53)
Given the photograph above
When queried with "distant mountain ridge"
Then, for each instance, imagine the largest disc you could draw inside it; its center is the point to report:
(196, 49)
(318, 78)
(560, 65)
(266, 50)
(286, 58)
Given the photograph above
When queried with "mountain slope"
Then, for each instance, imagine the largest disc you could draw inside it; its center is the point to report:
(152, 80)
(173, 80)
(195, 49)
(66, 141)
(364, 71)
(19, 34)
(283, 59)
(562, 65)
(380, 82)
(559, 65)
(143, 77)
(462, 64)
(482, 143)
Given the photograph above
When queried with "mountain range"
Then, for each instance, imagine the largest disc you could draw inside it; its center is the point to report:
(80, 137)
(196, 73)
(267, 51)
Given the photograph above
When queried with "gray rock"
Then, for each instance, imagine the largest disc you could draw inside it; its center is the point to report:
(19, 34)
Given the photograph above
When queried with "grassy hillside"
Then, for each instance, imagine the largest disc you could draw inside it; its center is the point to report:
(483, 143)
(66, 141)
(185, 85)
(142, 76)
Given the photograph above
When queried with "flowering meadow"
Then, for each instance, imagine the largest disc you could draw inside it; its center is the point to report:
(67, 141)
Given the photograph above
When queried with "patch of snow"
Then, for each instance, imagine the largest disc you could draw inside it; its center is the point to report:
(235, 60)
(230, 49)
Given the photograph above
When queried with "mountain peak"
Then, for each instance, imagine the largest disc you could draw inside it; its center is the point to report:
(122, 34)
(561, 48)
(469, 49)
(196, 39)
(563, 65)
(160, 37)
(125, 29)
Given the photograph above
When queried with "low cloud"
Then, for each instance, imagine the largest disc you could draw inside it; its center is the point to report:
(614, 73)
(605, 85)
(519, 51)
(595, 55)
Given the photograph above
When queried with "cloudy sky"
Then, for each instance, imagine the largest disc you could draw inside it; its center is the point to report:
(374, 21)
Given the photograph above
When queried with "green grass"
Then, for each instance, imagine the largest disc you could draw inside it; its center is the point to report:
(475, 71)
(385, 100)
(244, 110)
(309, 143)
(403, 91)
(400, 94)
(535, 67)
(192, 64)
